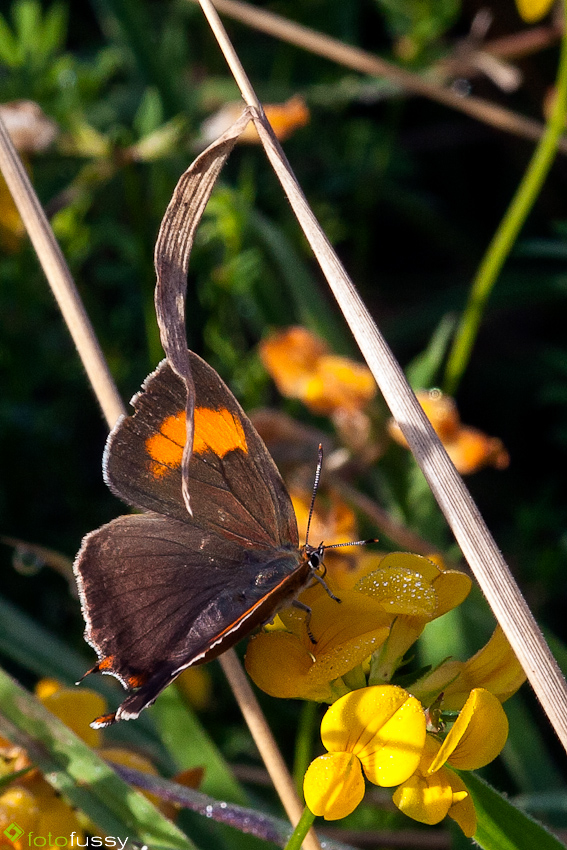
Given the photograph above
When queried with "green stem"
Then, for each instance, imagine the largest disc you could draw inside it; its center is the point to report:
(507, 233)
(304, 742)
(301, 830)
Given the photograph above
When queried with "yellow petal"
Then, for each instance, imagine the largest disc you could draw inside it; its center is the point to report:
(278, 663)
(291, 357)
(533, 10)
(334, 522)
(59, 819)
(477, 736)
(426, 799)
(18, 804)
(409, 561)
(451, 587)
(45, 687)
(441, 411)
(472, 450)
(77, 707)
(401, 591)
(494, 667)
(432, 684)
(287, 117)
(383, 725)
(403, 634)
(346, 633)
(346, 384)
(334, 785)
(462, 811)
(196, 686)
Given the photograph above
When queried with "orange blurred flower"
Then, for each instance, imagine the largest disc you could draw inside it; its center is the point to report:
(302, 367)
(285, 118)
(468, 448)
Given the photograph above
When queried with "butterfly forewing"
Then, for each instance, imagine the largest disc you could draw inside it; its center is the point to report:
(233, 482)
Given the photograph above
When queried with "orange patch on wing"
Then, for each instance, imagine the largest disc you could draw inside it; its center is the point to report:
(166, 447)
(136, 681)
(217, 431)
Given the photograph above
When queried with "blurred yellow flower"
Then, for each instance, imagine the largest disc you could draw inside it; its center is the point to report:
(379, 731)
(75, 707)
(196, 686)
(533, 10)
(34, 806)
(335, 521)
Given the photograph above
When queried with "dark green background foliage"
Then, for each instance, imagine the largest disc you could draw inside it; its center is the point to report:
(408, 191)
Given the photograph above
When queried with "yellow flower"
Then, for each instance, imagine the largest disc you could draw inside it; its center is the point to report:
(19, 805)
(494, 667)
(533, 10)
(288, 664)
(75, 707)
(381, 617)
(379, 731)
(33, 805)
(196, 686)
(419, 591)
(475, 739)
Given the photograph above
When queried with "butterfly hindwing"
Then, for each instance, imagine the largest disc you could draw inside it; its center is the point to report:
(159, 595)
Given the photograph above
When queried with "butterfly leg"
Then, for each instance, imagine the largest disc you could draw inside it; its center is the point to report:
(303, 607)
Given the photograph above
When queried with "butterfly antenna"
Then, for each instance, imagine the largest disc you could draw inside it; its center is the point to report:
(352, 543)
(315, 488)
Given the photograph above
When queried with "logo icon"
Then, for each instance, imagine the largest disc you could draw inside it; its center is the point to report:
(13, 832)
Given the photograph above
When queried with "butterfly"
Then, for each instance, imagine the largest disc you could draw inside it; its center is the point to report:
(165, 589)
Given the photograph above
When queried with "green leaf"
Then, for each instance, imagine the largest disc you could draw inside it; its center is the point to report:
(526, 755)
(501, 826)
(149, 115)
(81, 776)
(312, 309)
(32, 647)
(54, 29)
(191, 746)
(423, 370)
(27, 22)
(422, 21)
(10, 53)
